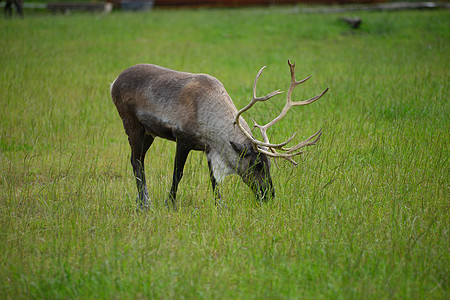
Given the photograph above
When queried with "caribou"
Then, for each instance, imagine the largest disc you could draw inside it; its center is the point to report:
(196, 112)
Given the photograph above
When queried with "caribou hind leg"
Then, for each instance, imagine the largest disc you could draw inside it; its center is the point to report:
(140, 142)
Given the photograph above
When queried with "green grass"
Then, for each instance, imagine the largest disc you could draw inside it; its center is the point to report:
(365, 215)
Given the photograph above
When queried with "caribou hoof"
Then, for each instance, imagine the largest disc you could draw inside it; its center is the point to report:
(144, 204)
(221, 204)
(170, 204)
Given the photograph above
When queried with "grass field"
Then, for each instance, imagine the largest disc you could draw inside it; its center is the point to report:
(365, 215)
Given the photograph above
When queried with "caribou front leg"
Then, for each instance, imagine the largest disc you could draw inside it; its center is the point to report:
(217, 198)
(180, 160)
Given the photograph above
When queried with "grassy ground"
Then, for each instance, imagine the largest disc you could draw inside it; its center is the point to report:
(364, 215)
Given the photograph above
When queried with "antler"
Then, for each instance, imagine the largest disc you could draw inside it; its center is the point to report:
(266, 147)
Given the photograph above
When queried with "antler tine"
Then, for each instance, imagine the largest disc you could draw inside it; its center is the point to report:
(280, 155)
(256, 99)
(248, 106)
(293, 80)
(263, 130)
(294, 83)
(310, 100)
(305, 143)
(290, 152)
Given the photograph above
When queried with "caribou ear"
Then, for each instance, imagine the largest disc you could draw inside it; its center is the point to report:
(241, 149)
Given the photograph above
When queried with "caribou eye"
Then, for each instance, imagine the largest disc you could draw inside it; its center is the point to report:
(259, 166)
(243, 150)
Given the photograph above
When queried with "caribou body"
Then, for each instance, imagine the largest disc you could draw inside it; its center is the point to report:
(196, 112)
